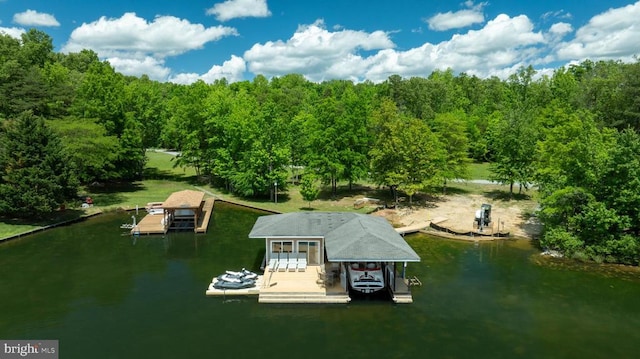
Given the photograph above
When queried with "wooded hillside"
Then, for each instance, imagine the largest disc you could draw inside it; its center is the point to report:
(574, 135)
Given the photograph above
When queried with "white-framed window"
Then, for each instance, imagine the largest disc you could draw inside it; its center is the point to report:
(281, 246)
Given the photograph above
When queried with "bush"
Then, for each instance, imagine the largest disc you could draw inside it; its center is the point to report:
(561, 240)
(625, 249)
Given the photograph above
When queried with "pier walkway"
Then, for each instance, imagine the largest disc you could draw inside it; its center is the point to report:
(207, 210)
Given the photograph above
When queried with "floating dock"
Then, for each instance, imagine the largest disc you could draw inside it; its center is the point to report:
(305, 287)
(289, 287)
(301, 287)
(212, 291)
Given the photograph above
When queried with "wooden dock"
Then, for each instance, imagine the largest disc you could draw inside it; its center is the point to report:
(300, 287)
(207, 210)
(305, 287)
(289, 287)
(153, 223)
(414, 228)
(212, 291)
(150, 224)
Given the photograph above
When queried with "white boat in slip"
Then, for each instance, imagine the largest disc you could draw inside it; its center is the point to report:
(366, 277)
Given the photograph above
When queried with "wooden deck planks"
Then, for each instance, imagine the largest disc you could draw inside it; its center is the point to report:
(150, 224)
(207, 210)
(300, 287)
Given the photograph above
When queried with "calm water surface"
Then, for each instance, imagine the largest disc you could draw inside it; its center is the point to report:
(103, 295)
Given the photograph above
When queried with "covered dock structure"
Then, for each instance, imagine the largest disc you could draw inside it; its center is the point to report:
(325, 242)
(181, 210)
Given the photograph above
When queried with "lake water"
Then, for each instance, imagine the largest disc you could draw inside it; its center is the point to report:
(104, 295)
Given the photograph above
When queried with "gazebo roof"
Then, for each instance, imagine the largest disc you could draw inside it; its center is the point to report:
(184, 199)
(348, 236)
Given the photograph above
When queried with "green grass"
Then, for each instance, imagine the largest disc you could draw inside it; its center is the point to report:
(479, 171)
(12, 226)
(161, 179)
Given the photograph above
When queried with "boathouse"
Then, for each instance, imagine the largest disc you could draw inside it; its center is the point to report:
(326, 242)
(181, 210)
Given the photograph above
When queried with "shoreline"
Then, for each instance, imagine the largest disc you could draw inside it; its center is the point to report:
(53, 225)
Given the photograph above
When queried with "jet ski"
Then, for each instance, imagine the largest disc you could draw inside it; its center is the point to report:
(235, 280)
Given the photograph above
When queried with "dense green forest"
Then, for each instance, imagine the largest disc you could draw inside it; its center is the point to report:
(70, 119)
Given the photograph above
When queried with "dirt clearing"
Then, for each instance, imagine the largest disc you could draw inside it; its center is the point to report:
(457, 212)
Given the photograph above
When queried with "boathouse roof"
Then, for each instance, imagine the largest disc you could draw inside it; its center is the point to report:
(184, 199)
(348, 237)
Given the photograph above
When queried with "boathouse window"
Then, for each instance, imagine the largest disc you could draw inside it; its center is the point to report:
(311, 248)
(282, 246)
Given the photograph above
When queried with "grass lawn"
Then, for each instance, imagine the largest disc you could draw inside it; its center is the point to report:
(162, 179)
(479, 171)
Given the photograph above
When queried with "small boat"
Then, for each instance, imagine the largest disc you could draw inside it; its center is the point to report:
(366, 277)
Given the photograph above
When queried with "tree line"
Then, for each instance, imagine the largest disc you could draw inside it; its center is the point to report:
(70, 119)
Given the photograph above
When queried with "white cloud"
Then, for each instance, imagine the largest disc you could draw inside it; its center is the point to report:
(459, 19)
(500, 34)
(232, 70)
(34, 18)
(502, 45)
(454, 20)
(133, 36)
(560, 14)
(613, 34)
(14, 32)
(149, 66)
(561, 28)
(135, 46)
(312, 49)
(232, 9)
(557, 32)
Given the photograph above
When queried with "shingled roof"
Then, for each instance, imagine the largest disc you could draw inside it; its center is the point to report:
(348, 236)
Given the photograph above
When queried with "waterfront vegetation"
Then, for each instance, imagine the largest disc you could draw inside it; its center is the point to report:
(71, 126)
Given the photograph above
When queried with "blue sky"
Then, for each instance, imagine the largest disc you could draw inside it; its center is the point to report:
(183, 41)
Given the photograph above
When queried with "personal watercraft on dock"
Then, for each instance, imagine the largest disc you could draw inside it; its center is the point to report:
(235, 280)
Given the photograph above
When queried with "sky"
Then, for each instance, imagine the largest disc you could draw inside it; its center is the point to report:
(358, 40)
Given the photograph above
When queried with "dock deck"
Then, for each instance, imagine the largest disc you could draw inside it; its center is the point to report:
(300, 287)
(153, 223)
(150, 224)
(303, 287)
(414, 228)
(290, 287)
(207, 210)
(211, 291)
